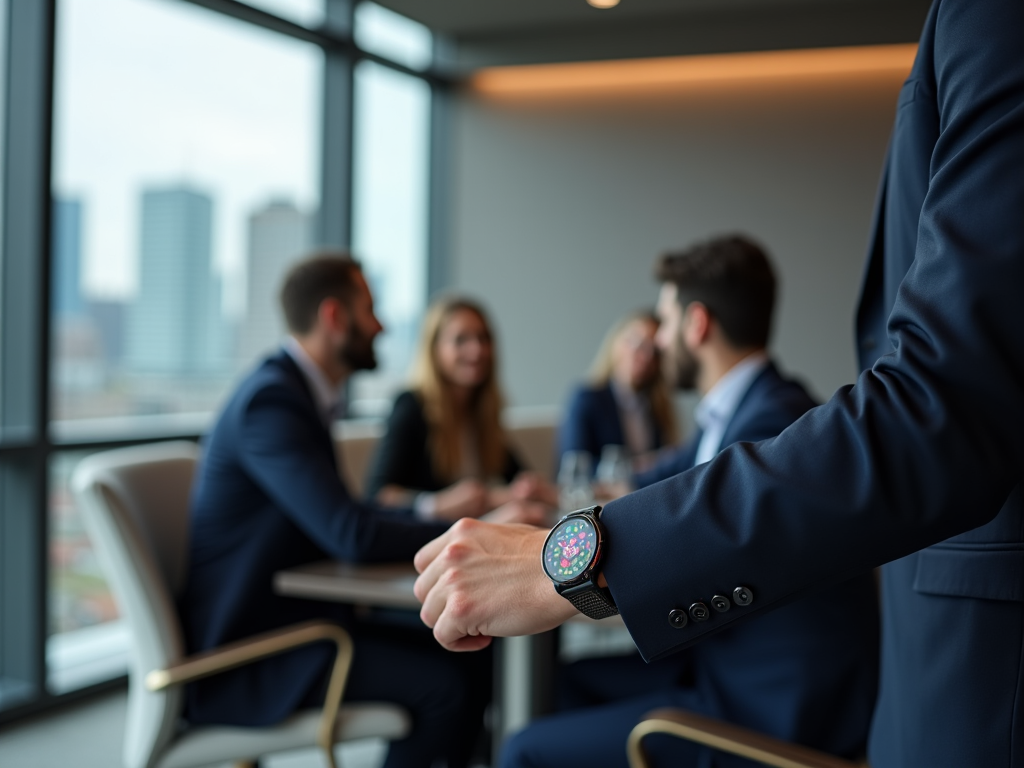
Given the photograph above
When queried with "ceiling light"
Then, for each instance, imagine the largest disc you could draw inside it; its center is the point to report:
(603, 3)
(764, 66)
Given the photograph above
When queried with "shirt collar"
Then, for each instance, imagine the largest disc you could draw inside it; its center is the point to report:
(325, 395)
(722, 400)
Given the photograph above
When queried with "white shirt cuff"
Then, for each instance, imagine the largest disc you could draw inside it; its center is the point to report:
(425, 506)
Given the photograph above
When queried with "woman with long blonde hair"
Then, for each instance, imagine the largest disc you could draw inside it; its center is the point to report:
(445, 452)
(625, 400)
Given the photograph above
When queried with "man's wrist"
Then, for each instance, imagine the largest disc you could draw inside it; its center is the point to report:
(562, 608)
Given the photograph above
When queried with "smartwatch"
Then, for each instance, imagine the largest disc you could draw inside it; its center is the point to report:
(572, 553)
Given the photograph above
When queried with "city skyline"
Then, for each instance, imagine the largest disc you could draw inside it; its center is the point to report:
(278, 234)
(176, 324)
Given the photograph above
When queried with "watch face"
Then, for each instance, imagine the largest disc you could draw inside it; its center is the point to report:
(570, 549)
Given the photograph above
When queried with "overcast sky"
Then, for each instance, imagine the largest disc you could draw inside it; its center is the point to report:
(156, 92)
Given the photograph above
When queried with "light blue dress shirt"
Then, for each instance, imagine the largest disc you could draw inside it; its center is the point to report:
(326, 396)
(716, 408)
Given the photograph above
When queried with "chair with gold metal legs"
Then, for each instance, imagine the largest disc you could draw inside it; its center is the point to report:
(134, 502)
(726, 737)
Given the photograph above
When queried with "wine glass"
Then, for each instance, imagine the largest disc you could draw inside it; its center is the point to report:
(574, 481)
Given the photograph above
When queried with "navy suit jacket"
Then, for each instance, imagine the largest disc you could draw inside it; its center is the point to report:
(268, 496)
(925, 452)
(770, 405)
(592, 422)
(808, 672)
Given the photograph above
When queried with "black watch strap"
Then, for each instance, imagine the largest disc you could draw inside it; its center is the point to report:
(596, 603)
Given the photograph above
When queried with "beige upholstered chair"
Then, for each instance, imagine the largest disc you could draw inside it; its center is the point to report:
(134, 502)
(531, 432)
(355, 443)
(726, 737)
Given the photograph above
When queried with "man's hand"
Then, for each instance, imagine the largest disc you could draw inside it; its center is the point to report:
(482, 580)
(529, 486)
(466, 498)
(524, 512)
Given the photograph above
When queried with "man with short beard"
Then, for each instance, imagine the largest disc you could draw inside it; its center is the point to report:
(805, 673)
(268, 496)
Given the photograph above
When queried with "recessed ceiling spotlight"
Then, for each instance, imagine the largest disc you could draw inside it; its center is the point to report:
(603, 3)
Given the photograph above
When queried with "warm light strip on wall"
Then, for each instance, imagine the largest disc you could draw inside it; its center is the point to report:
(681, 70)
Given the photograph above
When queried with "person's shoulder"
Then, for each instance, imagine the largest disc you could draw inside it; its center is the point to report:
(407, 399)
(275, 371)
(785, 392)
(269, 382)
(589, 395)
(275, 379)
(407, 410)
(407, 403)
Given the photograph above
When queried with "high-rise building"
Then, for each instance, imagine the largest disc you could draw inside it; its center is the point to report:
(66, 243)
(175, 324)
(109, 317)
(278, 235)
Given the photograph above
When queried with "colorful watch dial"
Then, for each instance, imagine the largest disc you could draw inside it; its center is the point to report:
(570, 549)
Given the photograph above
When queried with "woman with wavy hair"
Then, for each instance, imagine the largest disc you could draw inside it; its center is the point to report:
(625, 400)
(445, 453)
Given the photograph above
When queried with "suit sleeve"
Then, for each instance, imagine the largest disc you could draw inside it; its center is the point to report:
(927, 443)
(280, 449)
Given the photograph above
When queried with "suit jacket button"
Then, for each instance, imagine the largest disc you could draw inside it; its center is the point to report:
(677, 618)
(720, 603)
(742, 596)
(699, 612)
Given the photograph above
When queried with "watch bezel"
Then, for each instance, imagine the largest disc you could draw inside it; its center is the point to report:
(591, 515)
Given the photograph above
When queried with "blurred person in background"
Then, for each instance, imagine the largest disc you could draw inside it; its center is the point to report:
(918, 465)
(806, 672)
(445, 452)
(268, 496)
(625, 401)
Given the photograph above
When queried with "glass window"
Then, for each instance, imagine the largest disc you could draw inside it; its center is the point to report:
(393, 36)
(306, 12)
(390, 209)
(185, 175)
(86, 640)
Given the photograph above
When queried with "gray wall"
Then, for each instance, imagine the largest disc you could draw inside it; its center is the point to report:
(560, 205)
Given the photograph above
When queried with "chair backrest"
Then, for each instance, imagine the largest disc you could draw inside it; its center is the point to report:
(135, 506)
(355, 442)
(532, 432)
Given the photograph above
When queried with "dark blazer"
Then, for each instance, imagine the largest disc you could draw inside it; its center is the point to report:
(924, 452)
(807, 672)
(770, 405)
(268, 496)
(592, 422)
(403, 454)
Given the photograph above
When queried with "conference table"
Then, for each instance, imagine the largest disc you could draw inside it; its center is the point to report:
(524, 667)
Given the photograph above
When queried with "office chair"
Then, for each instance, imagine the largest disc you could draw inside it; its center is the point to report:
(726, 737)
(135, 505)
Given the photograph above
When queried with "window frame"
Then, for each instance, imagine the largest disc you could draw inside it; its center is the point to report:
(27, 51)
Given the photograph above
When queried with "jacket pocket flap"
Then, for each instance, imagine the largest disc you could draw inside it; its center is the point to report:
(996, 574)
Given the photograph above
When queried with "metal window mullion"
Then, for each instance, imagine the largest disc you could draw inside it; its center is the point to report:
(24, 336)
(438, 190)
(334, 222)
(332, 36)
